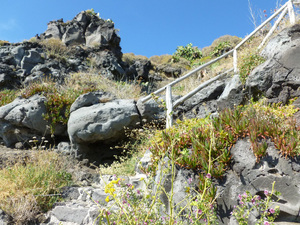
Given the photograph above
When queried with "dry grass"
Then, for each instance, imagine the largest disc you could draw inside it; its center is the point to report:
(29, 187)
(130, 58)
(119, 89)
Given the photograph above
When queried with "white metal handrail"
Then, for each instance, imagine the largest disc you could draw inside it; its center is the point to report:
(287, 7)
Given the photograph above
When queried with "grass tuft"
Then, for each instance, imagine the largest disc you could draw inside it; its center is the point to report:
(30, 187)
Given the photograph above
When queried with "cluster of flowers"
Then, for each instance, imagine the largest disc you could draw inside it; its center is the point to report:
(255, 204)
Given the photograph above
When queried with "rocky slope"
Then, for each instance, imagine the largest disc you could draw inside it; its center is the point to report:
(98, 119)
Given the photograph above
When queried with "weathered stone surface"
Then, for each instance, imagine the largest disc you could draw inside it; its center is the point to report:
(280, 73)
(23, 119)
(248, 174)
(90, 99)
(28, 62)
(102, 122)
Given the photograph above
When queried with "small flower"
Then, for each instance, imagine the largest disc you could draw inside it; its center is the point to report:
(208, 176)
(272, 210)
(187, 189)
(107, 199)
(266, 192)
(190, 180)
(138, 191)
(266, 223)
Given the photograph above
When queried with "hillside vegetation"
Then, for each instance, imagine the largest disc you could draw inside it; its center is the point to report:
(31, 186)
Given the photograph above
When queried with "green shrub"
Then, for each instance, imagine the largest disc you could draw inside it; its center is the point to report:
(187, 52)
(91, 12)
(248, 63)
(221, 48)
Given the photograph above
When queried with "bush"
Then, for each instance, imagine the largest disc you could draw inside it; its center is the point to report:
(248, 63)
(55, 48)
(187, 52)
(221, 48)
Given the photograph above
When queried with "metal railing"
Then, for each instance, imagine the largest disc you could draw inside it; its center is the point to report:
(287, 7)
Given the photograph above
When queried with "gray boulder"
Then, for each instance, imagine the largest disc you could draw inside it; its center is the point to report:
(102, 122)
(4, 218)
(8, 77)
(18, 53)
(22, 119)
(194, 106)
(90, 99)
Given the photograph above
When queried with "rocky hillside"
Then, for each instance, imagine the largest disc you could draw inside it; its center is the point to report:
(95, 120)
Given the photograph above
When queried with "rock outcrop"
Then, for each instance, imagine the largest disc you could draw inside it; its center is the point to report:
(278, 78)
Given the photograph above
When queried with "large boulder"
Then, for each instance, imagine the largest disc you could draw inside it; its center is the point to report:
(23, 119)
(278, 78)
(103, 122)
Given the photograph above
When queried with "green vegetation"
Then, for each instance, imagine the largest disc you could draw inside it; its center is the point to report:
(187, 52)
(61, 97)
(265, 207)
(7, 96)
(202, 145)
(248, 63)
(91, 12)
(221, 48)
(30, 187)
(192, 138)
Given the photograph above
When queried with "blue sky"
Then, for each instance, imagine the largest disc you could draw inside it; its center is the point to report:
(147, 27)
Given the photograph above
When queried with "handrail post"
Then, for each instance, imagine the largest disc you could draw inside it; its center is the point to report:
(235, 61)
(169, 105)
(291, 12)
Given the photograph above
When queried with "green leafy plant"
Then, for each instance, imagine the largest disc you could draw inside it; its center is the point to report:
(248, 63)
(221, 48)
(192, 138)
(91, 12)
(188, 52)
